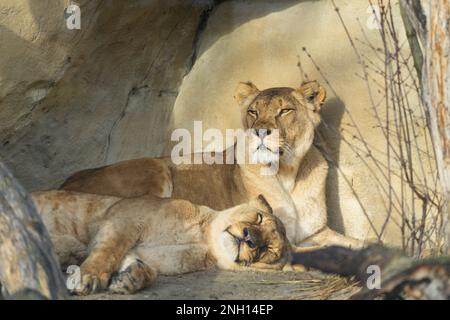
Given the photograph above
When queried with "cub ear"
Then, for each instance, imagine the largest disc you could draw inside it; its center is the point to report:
(245, 92)
(314, 93)
(261, 203)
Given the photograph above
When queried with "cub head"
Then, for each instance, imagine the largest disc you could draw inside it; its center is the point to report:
(250, 235)
(280, 121)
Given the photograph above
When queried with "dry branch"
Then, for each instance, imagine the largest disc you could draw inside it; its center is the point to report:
(404, 169)
(28, 266)
(401, 277)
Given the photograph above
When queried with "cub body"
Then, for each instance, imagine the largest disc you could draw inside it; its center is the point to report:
(122, 244)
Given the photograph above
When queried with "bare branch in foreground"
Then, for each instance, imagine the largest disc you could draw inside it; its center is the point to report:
(401, 277)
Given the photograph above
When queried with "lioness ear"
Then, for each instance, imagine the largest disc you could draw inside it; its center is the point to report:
(261, 203)
(314, 93)
(245, 93)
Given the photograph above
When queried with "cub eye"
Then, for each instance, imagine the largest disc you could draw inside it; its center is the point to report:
(250, 243)
(260, 218)
(285, 111)
(248, 240)
(251, 112)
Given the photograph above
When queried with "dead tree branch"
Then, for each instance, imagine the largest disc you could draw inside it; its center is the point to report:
(436, 93)
(410, 12)
(28, 265)
(401, 277)
(416, 15)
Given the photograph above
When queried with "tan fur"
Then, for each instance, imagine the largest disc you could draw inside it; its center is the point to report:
(296, 192)
(122, 244)
(152, 175)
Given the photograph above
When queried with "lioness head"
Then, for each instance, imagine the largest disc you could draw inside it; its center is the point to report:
(281, 120)
(250, 235)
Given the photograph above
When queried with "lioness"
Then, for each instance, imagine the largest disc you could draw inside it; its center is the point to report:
(296, 192)
(123, 243)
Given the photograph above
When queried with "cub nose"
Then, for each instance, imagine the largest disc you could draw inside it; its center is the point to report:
(260, 132)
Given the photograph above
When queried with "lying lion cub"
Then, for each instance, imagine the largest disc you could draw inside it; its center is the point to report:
(123, 243)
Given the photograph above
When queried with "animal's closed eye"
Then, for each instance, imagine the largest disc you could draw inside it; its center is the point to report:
(252, 112)
(250, 243)
(260, 218)
(285, 111)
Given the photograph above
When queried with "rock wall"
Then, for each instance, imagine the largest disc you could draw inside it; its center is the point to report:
(72, 99)
(138, 69)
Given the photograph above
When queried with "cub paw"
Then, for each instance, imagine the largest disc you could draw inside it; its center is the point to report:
(133, 278)
(90, 283)
(123, 283)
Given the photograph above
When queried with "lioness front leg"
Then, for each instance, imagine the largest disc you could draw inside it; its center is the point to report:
(110, 246)
(327, 237)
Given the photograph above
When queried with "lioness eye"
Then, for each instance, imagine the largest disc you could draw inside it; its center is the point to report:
(285, 111)
(252, 112)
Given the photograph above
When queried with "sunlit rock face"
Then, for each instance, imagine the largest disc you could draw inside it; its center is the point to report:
(73, 99)
(136, 70)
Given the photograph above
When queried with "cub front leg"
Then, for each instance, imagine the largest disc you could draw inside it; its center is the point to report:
(110, 246)
(138, 270)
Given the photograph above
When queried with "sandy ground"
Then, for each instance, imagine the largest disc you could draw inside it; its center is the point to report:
(243, 285)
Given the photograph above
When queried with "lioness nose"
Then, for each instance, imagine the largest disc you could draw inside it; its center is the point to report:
(262, 132)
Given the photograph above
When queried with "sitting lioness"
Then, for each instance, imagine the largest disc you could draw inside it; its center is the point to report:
(123, 243)
(296, 192)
